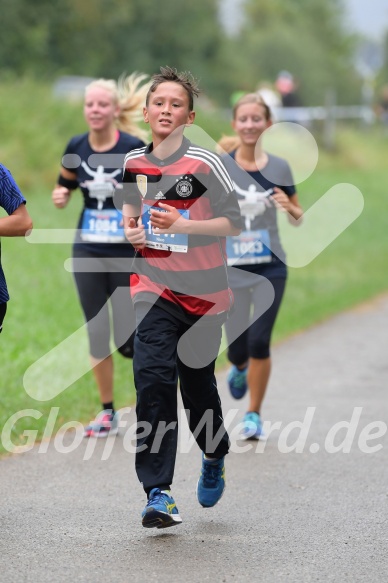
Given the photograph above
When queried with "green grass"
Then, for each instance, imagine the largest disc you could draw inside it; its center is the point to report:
(44, 309)
(351, 269)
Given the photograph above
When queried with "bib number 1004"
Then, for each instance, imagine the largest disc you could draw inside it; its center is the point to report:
(103, 225)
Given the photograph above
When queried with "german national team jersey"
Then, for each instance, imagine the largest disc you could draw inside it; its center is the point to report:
(10, 199)
(187, 273)
(99, 176)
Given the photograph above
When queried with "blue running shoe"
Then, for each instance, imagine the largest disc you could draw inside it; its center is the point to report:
(211, 483)
(237, 381)
(161, 510)
(252, 426)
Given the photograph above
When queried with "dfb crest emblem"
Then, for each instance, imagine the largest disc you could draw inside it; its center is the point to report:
(184, 188)
(141, 180)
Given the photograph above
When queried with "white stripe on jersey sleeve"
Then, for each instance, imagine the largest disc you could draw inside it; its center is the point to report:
(215, 164)
(134, 154)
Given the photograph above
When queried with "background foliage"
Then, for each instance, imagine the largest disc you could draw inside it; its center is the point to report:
(47, 38)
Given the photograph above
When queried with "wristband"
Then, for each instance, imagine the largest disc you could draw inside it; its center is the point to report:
(70, 184)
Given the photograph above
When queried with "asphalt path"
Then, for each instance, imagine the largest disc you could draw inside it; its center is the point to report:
(309, 503)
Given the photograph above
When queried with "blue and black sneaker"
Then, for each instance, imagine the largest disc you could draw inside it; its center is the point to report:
(211, 483)
(237, 381)
(252, 426)
(161, 510)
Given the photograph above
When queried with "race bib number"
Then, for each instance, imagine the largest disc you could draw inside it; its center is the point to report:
(102, 226)
(174, 242)
(249, 248)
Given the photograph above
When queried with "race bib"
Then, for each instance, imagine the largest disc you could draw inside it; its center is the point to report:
(175, 242)
(249, 248)
(102, 226)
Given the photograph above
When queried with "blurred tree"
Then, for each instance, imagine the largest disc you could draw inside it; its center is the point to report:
(185, 36)
(382, 76)
(109, 37)
(47, 38)
(306, 37)
(24, 35)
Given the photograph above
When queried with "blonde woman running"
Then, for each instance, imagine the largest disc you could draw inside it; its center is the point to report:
(102, 256)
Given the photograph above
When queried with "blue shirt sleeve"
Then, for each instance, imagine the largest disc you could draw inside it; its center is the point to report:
(10, 196)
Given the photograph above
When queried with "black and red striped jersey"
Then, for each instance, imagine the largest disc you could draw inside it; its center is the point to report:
(192, 282)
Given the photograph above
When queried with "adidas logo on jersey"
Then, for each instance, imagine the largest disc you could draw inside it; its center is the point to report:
(159, 195)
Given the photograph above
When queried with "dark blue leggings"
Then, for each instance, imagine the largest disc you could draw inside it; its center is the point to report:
(256, 336)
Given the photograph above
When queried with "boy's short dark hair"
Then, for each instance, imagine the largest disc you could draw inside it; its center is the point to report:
(184, 78)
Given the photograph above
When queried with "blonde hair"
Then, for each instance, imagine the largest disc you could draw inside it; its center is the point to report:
(130, 96)
(231, 143)
(227, 144)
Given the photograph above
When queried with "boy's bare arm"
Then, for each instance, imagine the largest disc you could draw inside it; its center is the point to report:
(171, 221)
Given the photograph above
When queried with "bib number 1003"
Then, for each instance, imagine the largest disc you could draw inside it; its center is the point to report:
(242, 247)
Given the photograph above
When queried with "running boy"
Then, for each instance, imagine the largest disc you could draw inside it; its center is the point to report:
(179, 204)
